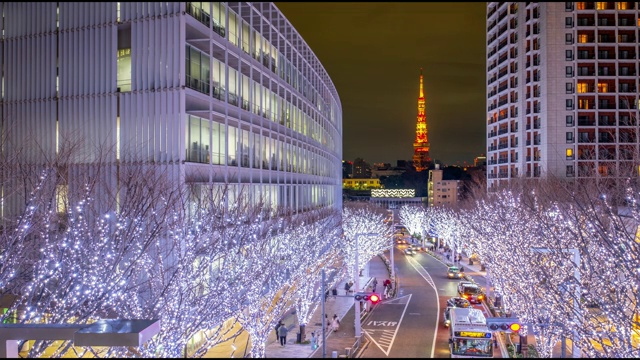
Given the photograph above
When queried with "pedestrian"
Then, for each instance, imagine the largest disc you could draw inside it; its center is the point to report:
(326, 320)
(314, 341)
(461, 268)
(282, 331)
(375, 284)
(335, 323)
(277, 327)
(346, 288)
(448, 257)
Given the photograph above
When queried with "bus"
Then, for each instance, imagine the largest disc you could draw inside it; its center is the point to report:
(469, 336)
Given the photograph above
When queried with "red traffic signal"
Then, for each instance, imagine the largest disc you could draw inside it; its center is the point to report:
(374, 298)
(367, 296)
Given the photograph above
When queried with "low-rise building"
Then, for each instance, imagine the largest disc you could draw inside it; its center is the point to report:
(441, 191)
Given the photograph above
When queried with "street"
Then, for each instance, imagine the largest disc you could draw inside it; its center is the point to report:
(411, 325)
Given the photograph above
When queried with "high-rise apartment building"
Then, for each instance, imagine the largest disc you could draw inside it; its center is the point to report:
(562, 90)
(217, 93)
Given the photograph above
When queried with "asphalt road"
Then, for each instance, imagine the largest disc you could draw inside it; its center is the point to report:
(411, 325)
(405, 326)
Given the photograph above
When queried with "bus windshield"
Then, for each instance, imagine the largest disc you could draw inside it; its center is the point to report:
(472, 347)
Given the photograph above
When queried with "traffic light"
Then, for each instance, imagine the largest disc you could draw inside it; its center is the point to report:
(509, 325)
(367, 296)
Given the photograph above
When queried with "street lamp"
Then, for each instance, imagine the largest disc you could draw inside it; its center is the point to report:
(578, 292)
(356, 274)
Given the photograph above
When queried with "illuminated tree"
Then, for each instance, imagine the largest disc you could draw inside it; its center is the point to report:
(364, 219)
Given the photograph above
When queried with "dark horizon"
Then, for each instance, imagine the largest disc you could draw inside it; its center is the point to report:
(376, 70)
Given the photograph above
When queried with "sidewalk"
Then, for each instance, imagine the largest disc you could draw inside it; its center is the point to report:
(342, 306)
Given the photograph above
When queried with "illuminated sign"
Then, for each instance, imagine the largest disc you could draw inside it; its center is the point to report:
(473, 334)
(393, 193)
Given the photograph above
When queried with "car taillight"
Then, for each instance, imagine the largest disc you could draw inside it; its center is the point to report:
(465, 296)
(480, 297)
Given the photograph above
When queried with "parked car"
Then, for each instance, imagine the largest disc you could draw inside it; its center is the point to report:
(454, 273)
(409, 251)
(471, 291)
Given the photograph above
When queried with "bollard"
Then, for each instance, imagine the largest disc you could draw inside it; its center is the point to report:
(334, 354)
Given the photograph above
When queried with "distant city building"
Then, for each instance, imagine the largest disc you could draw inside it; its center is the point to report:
(441, 191)
(385, 169)
(347, 169)
(480, 161)
(421, 159)
(361, 169)
(361, 184)
(562, 90)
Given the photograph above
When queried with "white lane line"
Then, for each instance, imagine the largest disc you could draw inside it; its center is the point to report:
(429, 281)
(395, 332)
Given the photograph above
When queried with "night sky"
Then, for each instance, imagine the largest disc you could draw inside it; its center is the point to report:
(373, 53)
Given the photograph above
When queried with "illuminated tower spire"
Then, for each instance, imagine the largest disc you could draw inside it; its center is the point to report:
(421, 158)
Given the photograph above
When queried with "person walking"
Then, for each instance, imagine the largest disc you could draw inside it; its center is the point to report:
(328, 321)
(277, 327)
(314, 341)
(374, 284)
(335, 323)
(282, 331)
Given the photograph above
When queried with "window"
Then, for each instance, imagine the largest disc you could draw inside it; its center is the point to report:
(569, 71)
(568, 22)
(569, 137)
(568, 6)
(583, 38)
(123, 76)
(622, 5)
(568, 55)
(580, 6)
(569, 88)
(568, 39)
(582, 87)
(601, 5)
(569, 153)
(569, 104)
(603, 87)
(570, 120)
(570, 172)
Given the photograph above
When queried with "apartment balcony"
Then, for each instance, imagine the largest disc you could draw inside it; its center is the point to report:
(606, 121)
(503, 102)
(492, 175)
(585, 140)
(503, 160)
(492, 162)
(585, 22)
(503, 174)
(503, 131)
(492, 134)
(492, 148)
(528, 158)
(503, 145)
(586, 121)
(514, 129)
(586, 55)
(197, 85)
(606, 106)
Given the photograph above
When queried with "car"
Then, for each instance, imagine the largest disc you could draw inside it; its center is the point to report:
(454, 272)
(416, 248)
(409, 251)
(458, 302)
(451, 303)
(471, 291)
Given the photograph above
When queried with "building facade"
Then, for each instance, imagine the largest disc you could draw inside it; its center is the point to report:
(227, 94)
(361, 169)
(562, 90)
(421, 159)
(361, 184)
(441, 191)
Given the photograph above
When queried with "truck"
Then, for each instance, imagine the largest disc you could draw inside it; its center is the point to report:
(469, 335)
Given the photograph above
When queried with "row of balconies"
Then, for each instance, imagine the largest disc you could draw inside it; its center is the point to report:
(604, 55)
(605, 22)
(600, 106)
(606, 120)
(603, 39)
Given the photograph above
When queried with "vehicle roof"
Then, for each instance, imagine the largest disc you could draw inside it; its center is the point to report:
(454, 268)
(468, 283)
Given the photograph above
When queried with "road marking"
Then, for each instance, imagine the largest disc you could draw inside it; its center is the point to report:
(386, 333)
(429, 281)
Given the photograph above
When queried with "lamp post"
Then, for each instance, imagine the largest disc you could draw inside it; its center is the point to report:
(577, 295)
(356, 274)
